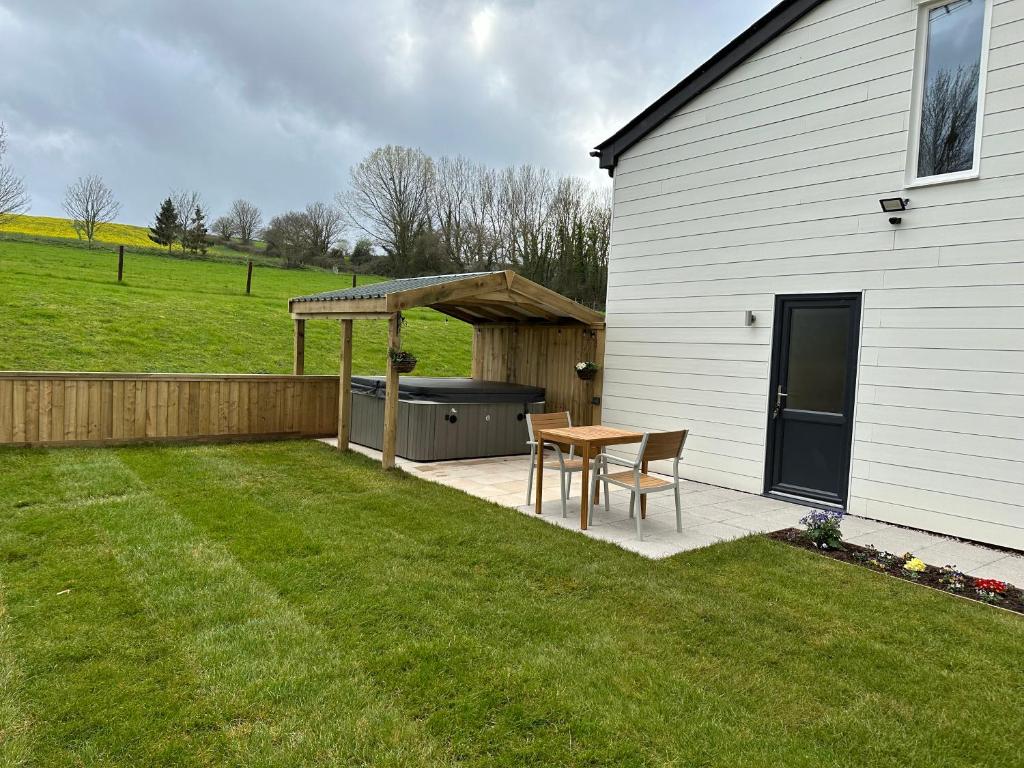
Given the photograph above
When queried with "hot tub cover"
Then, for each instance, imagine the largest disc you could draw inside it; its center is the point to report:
(449, 390)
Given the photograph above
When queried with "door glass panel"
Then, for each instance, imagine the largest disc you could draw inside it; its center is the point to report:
(817, 358)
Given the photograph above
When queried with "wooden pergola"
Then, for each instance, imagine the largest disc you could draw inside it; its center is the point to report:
(524, 333)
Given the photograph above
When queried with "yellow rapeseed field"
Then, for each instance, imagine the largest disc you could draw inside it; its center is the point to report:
(46, 226)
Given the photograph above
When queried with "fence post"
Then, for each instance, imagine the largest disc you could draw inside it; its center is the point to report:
(248, 279)
(353, 279)
(120, 262)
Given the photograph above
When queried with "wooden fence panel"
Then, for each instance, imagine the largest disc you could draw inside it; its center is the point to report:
(119, 408)
(543, 356)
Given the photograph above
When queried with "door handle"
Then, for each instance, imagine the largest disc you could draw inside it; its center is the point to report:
(779, 395)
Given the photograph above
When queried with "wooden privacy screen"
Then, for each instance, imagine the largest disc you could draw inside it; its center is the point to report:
(105, 408)
(544, 356)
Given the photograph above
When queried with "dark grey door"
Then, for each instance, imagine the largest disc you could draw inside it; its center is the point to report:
(810, 409)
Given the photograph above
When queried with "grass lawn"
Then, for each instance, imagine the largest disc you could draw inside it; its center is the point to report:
(64, 310)
(279, 604)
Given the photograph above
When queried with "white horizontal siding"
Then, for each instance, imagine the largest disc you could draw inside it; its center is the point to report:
(689, 380)
(729, 367)
(985, 200)
(962, 317)
(942, 379)
(956, 465)
(987, 403)
(978, 446)
(714, 139)
(954, 359)
(768, 183)
(944, 338)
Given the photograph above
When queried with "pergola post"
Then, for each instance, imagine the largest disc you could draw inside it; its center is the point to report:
(345, 386)
(299, 350)
(391, 393)
(597, 390)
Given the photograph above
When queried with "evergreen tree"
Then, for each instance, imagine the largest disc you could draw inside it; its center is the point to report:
(165, 229)
(194, 238)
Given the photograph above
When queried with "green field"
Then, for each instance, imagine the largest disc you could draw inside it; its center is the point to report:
(64, 310)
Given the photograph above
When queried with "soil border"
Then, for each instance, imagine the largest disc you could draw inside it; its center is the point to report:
(890, 564)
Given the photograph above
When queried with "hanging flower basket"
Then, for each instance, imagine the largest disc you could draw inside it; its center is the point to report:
(586, 370)
(403, 362)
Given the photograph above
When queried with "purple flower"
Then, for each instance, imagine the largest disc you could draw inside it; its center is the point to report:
(819, 517)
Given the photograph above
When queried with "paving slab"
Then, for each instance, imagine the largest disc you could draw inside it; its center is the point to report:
(710, 515)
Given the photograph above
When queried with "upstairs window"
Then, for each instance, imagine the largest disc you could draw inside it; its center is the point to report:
(949, 85)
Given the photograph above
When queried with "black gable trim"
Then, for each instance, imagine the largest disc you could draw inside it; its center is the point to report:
(761, 32)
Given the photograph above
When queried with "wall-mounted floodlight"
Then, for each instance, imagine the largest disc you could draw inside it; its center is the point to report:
(894, 204)
(749, 318)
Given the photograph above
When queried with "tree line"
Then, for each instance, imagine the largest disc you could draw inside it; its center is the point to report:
(412, 215)
(431, 216)
(408, 214)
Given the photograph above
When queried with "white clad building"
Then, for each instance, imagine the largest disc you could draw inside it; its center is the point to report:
(883, 368)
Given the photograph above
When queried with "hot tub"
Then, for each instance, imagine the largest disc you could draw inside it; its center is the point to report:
(446, 418)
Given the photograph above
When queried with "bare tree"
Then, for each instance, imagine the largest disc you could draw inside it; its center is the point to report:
(325, 225)
(185, 203)
(484, 220)
(389, 200)
(524, 199)
(948, 122)
(14, 198)
(288, 238)
(454, 187)
(225, 228)
(90, 204)
(247, 218)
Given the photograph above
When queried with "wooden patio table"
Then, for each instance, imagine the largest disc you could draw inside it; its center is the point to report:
(586, 439)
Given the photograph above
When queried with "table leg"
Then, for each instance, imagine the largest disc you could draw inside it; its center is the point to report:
(585, 491)
(539, 490)
(643, 496)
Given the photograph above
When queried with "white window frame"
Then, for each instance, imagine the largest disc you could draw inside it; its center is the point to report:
(917, 99)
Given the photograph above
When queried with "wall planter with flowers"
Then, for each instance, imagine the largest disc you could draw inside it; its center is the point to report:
(823, 535)
(587, 370)
(404, 362)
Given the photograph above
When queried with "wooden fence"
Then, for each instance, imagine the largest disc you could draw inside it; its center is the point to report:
(111, 408)
(544, 356)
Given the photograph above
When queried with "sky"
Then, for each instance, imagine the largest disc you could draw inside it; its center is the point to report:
(954, 37)
(275, 101)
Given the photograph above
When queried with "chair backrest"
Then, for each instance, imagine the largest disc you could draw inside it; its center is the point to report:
(542, 421)
(663, 445)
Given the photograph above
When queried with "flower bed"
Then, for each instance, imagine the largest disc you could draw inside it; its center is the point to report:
(910, 568)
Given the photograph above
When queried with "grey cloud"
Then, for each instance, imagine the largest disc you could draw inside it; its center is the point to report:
(276, 100)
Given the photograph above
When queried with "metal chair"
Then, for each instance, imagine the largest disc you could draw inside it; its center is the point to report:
(655, 447)
(565, 464)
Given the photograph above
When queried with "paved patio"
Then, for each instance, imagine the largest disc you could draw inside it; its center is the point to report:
(710, 515)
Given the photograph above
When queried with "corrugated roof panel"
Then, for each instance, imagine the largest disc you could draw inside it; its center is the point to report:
(380, 290)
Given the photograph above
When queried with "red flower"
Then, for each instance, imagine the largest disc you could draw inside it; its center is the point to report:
(990, 585)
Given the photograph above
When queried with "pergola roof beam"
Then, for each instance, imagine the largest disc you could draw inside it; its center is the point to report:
(488, 296)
